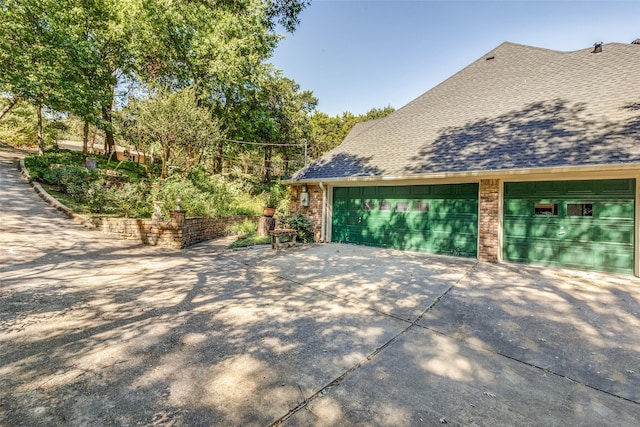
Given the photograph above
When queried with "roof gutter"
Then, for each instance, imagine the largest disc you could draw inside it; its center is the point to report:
(600, 168)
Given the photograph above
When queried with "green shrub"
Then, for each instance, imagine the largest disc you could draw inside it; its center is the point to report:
(97, 196)
(71, 179)
(19, 127)
(194, 201)
(121, 188)
(244, 228)
(132, 200)
(38, 166)
(250, 241)
(302, 224)
(245, 204)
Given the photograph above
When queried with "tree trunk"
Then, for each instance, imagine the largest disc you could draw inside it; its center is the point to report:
(287, 162)
(85, 138)
(109, 141)
(13, 101)
(166, 155)
(40, 132)
(267, 165)
(217, 163)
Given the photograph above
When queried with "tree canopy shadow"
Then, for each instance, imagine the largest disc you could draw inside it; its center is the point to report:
(339, 165)
(543, 134)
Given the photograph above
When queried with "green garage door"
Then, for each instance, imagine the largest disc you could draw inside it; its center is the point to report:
(441, 219)
(578, 224)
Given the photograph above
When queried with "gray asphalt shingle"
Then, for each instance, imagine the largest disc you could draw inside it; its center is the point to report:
(526, 107)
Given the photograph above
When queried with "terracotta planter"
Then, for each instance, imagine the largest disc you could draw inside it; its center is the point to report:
(268, 211)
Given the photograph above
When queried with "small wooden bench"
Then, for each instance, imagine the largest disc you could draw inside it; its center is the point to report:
(278, 233)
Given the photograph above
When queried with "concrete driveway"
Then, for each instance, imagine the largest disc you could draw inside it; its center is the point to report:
(97, 331)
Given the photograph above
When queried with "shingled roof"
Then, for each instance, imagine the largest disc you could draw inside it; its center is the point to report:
(516, 108)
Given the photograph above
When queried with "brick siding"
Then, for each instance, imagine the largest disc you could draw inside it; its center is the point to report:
(489, 221)
(313, 212)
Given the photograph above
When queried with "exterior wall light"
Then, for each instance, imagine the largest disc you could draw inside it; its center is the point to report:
(178, 201)
(304, 196)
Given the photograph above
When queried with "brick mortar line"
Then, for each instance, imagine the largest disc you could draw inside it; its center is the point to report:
(345, 374)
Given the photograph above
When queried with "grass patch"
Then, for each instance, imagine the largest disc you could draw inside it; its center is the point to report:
(65, 199)
(250, 240)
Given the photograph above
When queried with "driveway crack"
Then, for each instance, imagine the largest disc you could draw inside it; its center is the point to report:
(305, 403)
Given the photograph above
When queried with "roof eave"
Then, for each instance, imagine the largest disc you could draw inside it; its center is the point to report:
(476, 175)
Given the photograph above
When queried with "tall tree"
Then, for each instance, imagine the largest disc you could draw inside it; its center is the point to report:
(71, 55)
(29, 65)
(11, 102)
(276, 115)
(328, 132)
(173, 124)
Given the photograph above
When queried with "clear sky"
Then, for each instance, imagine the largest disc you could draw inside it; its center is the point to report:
(361, 54)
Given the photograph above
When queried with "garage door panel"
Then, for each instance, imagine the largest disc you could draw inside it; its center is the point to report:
(586, 224)
(622, 234)
(615, 261)
(585, 231)
(418, 221)
(616, 187)
(368, 191)
(614, 210)
(409, 217)
(517, 207)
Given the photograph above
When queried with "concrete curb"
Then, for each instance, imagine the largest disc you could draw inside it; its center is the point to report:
(51, 200)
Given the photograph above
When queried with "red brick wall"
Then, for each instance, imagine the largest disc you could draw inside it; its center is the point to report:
(489, 221)
(313, 211)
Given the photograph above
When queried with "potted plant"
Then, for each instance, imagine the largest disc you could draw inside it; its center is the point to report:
(272, 199)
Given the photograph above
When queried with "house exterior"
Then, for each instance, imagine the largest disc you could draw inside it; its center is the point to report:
(526, 155)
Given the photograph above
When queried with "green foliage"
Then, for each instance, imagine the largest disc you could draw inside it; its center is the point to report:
(119, 188)
(71, 179)
(171, 123)
(274, 195)
(19, 127)
(246, 205)
(40, 165)
(132, 200)
(194, 202)
(244, 228)
(250, 240)
(328, 132)
(102, 190)
(97, 196)
(302, 224)
(209, 195)
(274, 111)
(70, 55)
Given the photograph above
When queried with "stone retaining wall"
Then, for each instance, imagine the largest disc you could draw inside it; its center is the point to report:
(178, 232)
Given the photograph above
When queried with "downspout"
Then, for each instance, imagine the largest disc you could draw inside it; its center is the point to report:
(323, 213)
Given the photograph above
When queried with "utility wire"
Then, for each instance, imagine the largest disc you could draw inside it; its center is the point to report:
(274, 144)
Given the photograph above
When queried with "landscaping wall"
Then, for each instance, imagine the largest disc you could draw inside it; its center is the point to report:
(178, 232)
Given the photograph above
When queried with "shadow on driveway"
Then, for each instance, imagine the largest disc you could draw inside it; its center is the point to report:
(96, 331)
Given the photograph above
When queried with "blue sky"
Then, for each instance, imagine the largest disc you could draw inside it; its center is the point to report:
(359, 54)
